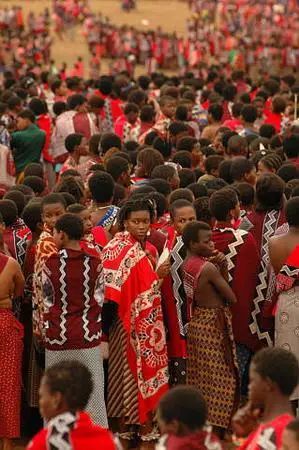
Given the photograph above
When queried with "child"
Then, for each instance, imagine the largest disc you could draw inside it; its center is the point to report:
(75, 144)
(181, 415)
(290, 436)
(64, 393)
(274, 374)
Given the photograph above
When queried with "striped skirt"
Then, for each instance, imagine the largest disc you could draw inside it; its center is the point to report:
(122, 387)
(92, 359)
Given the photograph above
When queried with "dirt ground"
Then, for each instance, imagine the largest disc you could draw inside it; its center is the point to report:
(171, 15)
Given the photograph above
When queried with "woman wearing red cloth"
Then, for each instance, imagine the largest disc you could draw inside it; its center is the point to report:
(11, 347)
(132, 316)
(64, 393)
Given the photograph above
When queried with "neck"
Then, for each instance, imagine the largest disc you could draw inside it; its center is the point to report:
(294, 230)
(102, 205)
(223, 224)
(277, 406)
(72, 245)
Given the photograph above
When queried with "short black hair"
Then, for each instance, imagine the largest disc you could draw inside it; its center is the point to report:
(101, 186)
(59, 108)
(161, 186)
(9, 212)
(249, 113)
(76, 208)
(72, 141)
(239, 167)
(213, 162)
(292, 212)
(109, 140)
(133, 205)
(131, 107)
(280, 366)
(178, 204)
(73, 380)
(198, 189)
(215, 184)
(245, 193)
(73, 186)
(288, 172)
(147, 113)
(223, 201)
(27, 114)
(269, 192)
(236, 144)
(70, 173)
(75, 100)
(183, 158)
(267, 130)
(51, 199)
(71, 225)
(190, 232)
(202, 209)
(216, 111)
(38, 106)
(32, 215)
(164, 171)
(69, 199)
(181, 193)
(186, 177)
(116, 166)
(290, 146)
(224, 170)
(176, 128)
(37, 184)
(18, 198)
(160, 201)
(186, 405)
(163, 146)
(186, 143)
(35, 169)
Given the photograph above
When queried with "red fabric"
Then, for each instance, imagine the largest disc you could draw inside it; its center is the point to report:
(270, 433)
(45, 124)
(257, 219)
(16, 237)
(82, 124)
(70, 292)
(85, 435)
(195, 441)
(100, 236)
(244, 273)
(131, 282)
(275, 120)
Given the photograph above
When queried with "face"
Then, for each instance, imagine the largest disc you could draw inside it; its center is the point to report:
(260, 108)
(138, 224)
(86, 217)
(83, 147)
(235, 213)
(51, 214)
(257, 388)
(22, 124)
(251, 176)
(125, 178)
(204, 246)
(132, 117)
(197, 157)
(59, 238)
(169, 109)
(174, 182)
(182, 217)
(63, 89)
(289, 441)
(48, 402)
(170, 428)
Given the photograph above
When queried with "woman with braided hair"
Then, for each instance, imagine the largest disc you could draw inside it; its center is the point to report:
(132, 317)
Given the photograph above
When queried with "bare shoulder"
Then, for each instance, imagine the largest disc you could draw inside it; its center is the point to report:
(13, 264)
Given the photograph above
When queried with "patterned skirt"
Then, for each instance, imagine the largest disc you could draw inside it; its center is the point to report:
(212, 362)
(287, 325)
(122, 387)
(91, 358)
(11, 347)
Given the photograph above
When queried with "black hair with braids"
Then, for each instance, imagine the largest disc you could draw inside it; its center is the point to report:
(133, 205)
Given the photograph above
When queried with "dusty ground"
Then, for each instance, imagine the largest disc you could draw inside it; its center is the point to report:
(171, 15)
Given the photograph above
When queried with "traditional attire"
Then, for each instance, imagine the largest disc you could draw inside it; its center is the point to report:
(268, 435)
(202, 440)
(212, 361)
(262, 226)
(11, 346)
(72, 284)
(240, 250)
(287, 310)
(16, 237)
(109, 218)
(73, 432)
(138, 363)
(176, 314)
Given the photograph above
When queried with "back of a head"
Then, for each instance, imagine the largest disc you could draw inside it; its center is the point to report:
(32, 215)
(18, 198)
(163, 171)
(35, 169)
(186, 177)
(148, 159)
(161, 185)
(291, 146)
(37, 184)
(116, 166)
(288, 172)
(269, 192)
(278, 365)
(8, 211)
(72, 141)
(186, 405)
(245, 193)
(109, 140)
(292, 212)
(181, 194)
(71, 225)
(73, 381)
(198, 189)
(237, 146)
(202, 209)
(222, 202)
(249, 113)
(213, 162)
(101, 186)
(183, 158)
(239, 167)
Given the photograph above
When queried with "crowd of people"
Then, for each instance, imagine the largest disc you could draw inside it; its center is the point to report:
(149, 255)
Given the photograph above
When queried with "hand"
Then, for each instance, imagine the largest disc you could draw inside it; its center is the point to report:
(218, 259)
(164, 269)
(245, 420)
(104, 349)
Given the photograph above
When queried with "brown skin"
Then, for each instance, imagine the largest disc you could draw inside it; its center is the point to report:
(87, 223)
(11, 283)
(289, 440)
(212, 289)
(280, 247)
(182, 217)
(265, 403)
(168, 109)
(51, 213)
(51, 404)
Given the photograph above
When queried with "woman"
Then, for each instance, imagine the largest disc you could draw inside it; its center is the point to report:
(132, 315)
(64, 393)
(267, 216)
(11, 347)
(284, 258)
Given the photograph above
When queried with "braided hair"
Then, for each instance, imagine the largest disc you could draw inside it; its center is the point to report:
(133, 205)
